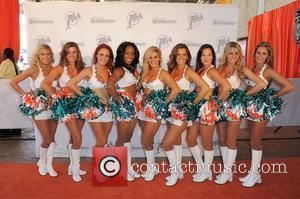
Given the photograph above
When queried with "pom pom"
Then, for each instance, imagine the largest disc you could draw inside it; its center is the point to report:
(34, 103)
(155, 106)
(89, 106)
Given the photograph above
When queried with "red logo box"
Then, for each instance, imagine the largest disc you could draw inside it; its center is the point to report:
(109, 166)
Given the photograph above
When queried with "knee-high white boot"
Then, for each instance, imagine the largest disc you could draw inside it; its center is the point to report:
(151, 168)
(81, 172)
(206, 171)
(253, 177)
(131, 174)
(42, 161)
(49, 161)
(224, 152)
(172, 179)
(226, 175)
(76, 164)
(178, 154)
(197, 155)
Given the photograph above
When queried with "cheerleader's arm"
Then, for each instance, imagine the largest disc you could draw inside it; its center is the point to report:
(259, 83)
(167, 79)
(22, 76)
(221, 81)
(84, 74)
(52, 76)
(287, 86)
(112, 81)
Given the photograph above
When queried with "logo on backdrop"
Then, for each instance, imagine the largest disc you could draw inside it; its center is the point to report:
(80, 44)
(223, 22)
(133, 18)
(194, 20)
(221, 42)
(102, 20)
(103, 39)
(297, 26)
(71, 18)
(160, 20)
(33, 20)
(42, 39)
(163, 41)
(192, 43)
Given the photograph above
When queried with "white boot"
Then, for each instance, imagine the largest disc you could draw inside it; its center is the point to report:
(172, 180)
(206, 171)
(197, 155)
(42, 161)
(224, 152)
(151, 168)
(76, 165)
(254, 176)
(226, 175)
(81, 172)
(178, 153)
(131, 174)
(49, 166)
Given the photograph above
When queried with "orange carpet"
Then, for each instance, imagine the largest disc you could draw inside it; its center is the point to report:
(23, 181)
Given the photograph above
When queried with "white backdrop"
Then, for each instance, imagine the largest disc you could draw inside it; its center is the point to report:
(160, 24)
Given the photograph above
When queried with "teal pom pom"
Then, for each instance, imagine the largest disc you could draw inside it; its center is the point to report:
(194, 108)
(34, 103)
(89, 106)
(63, 107)
(180, 106)
(124, 111)
(155, 106)
(263, 107)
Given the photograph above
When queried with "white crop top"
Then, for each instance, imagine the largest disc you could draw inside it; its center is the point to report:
(260, 75)
(36, 83)
(234, 81)
(128, 79)
(64, 78)
(209, 81)
(93, 81)
(155, 84)
(183, 83)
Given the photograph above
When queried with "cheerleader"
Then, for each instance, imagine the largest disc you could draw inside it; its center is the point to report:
(64, 102)
(97, 76)
(180, 107)
(263, 106)
(122, 87)
(155, 106)
(41, 66)
(205, 61)
(233, 109)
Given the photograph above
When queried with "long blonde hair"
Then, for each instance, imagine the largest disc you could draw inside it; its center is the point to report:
(239, 64)
(146, 58)
(36, 62)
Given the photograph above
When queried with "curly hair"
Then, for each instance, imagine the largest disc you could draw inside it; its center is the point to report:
(172, 64)
(199, 64)
(120, 62)
(109, 64)
(146, 58)
(267, 45)
(79, 64)
(240, 62)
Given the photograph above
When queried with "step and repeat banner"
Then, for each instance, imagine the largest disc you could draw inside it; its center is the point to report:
(146, 24)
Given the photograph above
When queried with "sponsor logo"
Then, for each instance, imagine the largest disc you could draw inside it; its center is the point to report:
(163, 41)
(221, 42)
(102, 20)
(71, 19)
(223, 22)
(158, 20)
(133, 18)
(194, 20)
(103, 39)
(39, 21)
(42, 39)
